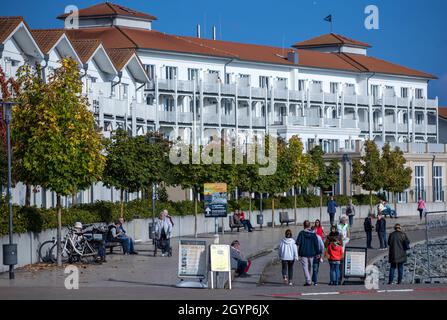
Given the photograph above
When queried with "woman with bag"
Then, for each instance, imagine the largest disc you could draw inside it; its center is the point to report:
(421, 207)
(399, 244)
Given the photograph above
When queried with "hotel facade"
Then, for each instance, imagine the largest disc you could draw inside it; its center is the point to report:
(327, 90)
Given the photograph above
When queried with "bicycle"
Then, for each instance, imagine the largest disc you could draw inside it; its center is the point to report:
(76, 247)
(45, 250)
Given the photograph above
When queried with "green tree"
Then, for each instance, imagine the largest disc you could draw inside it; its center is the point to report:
(327, 173)
(301, 167)
(367, 171)
(396, 176)
(64, 147)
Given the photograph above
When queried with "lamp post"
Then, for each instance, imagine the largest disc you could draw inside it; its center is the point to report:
(347, 158)
(9, 250)
(433, 177)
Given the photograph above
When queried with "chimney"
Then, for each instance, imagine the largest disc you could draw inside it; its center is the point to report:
(214, 32)
(198, 31)
(292, 56)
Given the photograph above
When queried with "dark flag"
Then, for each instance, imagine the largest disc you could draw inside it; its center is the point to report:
(328, 18)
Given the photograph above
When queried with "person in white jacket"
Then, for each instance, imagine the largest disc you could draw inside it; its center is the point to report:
(288, 253)
(163, 233)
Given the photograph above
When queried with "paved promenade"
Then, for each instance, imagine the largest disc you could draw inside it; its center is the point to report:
(146, 277)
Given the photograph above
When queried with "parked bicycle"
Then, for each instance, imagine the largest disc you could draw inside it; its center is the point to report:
(45, 250)
(75, 247)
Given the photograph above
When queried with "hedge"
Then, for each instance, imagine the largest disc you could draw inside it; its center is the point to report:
(35, 219)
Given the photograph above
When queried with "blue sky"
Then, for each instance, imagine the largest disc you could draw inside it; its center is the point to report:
(411, 32)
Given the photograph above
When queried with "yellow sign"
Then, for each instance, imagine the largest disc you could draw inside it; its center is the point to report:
(220, 258)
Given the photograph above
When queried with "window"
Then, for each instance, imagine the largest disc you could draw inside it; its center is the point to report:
(264, 82)
(301, 85)
(389, 91)
(171, 73)
(419, 94)
(334, 87)
(419, 118)
(350, 89)
(244, 80)
(124, 91)
(227, 78)
(193, 74)
(419, 182)
(438, 194)
(227, 106)
(150, 71)
(168, 104)
(375, 91)
(404, 92)
(317, 87)
(281, 83)
(212, 76)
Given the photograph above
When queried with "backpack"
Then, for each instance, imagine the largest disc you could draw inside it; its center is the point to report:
(348, 210)
(109, 236)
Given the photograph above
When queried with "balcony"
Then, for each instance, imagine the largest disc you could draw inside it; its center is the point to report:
(331, 122)
(296, 121)
(144, 111)
(350, 99)
(364, 126)
(184, 117)
(186, 86)
(363, 100)
(390, 101)
(258, 92)
(258, 122)
(348, 123)
(402, 102)
(228, 119)
(297, 95)
(436, 148)
(114, 106)
(243, 121)
(402, 127)
(330, 98)
(431, 128)
(316, 96)
(243, 91)
(280, 94)
(432, 103)
(166, 116)
(419, 103)
(166, 84)
(229, 89)
(314, 122)
(419, 128)
(210, 87)
(210, 118)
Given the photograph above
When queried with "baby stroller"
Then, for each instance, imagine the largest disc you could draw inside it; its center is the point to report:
(159, 245)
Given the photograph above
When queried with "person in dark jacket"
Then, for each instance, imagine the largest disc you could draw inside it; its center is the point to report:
(398, 243)
(381, 231)
(238, 260)
(308, 249)
(368, 226)
(331, 209)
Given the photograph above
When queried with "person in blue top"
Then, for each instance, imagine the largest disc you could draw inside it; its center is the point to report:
(331, 209)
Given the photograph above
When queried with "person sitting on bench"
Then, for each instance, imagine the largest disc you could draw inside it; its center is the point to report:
(238, 261)
(118, 234)
(239, 216)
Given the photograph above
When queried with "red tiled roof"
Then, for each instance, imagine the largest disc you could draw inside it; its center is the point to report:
(133, 38)
(442, 112)
(120, 57)
(7, 26)
(85, 48)
(330, 39)
(107, 9)
(47, 38)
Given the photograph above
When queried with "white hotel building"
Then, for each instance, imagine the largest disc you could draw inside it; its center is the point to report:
(327, 90)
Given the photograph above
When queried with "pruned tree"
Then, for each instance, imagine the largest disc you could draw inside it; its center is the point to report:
(367, 171)
(327, 172)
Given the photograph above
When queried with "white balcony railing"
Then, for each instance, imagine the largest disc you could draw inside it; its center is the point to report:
(258, 122)
(186, 86)
(280, 93)
(210, 118)
(432, 103)
(316, 96)
(330, 98)
(401, 127)
(184, 117)
(243, 91)
(297, 95)
(363, 100)
(258, 92)
(166, 116)
(296, 121)
(228, 119)
(402, 102)
(349, 99)
(328, 122)
(114, 106)
(315, 122)
(364, 126)
(419, 128)
(144, 111)
(348, 123)
(390, 101)
(436, 147)
(419, 102)
(431, 128)
(228, 89)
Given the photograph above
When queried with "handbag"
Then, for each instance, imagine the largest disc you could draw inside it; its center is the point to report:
(406, 244)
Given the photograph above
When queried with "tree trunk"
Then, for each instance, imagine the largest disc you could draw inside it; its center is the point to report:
(273, 212)
(74, 199)
(59, 231)
(370, 201)
(395, 202)
(195, 214)
(27, 195)
(321, 205)
(294, 206)
(122, 203)
(249, 207)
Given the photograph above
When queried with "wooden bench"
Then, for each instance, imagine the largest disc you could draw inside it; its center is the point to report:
(113, 244)
(284, 218)
(234, 225)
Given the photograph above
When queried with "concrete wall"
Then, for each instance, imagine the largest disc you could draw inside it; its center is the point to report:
(28, 243)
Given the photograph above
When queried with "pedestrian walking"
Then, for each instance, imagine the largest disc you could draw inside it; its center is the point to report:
(350, 212)
(288, 253)
(308, 249)
(380, 207)
(331, 209)
(381, 231)
(335, 256)
(345, 235)
(318, 258)
(398, 243)
(319, 229)
(368, 227)
(421, 207)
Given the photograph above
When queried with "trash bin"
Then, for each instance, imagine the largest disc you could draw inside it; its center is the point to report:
(9, 254)
(260, 219)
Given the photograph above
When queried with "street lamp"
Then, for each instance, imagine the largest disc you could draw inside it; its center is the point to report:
(9, 250)
(433, 177)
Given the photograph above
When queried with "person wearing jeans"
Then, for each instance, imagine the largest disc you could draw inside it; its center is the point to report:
(398, 245)
(368, 227)
(335, 255)
(317, 260)
(331, 209)
(381, 231)
(308, 249)
(288, 253)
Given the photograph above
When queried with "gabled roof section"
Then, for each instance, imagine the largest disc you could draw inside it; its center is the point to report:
(381, 66)
(47, 38)
(120, 57)
(108, 9)
(7, 26)
(330, 39)
(85, 48)
(442, 112)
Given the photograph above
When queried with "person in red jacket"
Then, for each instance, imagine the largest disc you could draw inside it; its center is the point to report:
(335, 255)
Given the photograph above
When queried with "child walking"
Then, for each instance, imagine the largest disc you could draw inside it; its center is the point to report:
(288, 253)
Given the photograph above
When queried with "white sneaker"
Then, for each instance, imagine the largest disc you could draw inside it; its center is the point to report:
(163, 255)
(290, 283)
